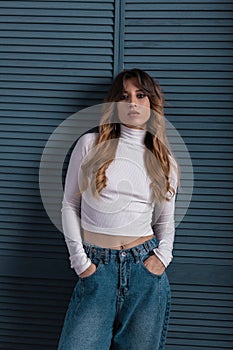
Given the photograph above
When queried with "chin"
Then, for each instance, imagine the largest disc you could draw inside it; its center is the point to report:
(135, 126)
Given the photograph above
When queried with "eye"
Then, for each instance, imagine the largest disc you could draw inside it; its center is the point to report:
(123, 97)
(141, 95)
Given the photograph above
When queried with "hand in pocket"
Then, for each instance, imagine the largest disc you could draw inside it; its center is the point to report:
(89, 271)
(154, 265)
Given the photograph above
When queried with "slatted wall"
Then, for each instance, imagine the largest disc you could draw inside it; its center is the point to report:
(187, 45)
(58, 57)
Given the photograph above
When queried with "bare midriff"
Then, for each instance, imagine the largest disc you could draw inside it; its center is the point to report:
(114, 242)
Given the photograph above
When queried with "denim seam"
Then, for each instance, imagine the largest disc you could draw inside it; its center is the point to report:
(165, 323)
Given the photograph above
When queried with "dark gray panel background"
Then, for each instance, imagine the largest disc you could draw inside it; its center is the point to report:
(58, 57)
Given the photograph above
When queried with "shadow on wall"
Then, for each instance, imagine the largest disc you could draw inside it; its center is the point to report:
(34, 306)
(35, 274)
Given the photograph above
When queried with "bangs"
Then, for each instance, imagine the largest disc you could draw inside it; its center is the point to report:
(138, 82)
(141, 80)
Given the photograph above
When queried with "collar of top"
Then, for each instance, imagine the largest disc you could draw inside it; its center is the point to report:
(135, 136)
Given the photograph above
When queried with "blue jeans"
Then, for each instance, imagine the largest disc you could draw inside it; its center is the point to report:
(121, 306)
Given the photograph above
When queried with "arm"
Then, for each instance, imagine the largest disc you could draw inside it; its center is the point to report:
(71, 209)
(163, 224)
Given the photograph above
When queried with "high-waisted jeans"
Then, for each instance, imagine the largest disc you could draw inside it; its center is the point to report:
(121, 306)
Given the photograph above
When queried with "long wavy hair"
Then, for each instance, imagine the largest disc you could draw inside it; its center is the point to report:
(158, 156)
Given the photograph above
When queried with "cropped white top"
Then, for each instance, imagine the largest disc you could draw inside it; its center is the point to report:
(125, 207)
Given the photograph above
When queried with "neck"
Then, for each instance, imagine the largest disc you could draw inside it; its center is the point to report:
(133, 126)
(133, 135)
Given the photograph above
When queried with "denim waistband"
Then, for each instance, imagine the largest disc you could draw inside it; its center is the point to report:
(107, 253)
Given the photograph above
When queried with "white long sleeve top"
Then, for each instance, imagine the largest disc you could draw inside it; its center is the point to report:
(125, 206)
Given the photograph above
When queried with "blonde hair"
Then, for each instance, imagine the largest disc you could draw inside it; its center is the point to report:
(158, 156)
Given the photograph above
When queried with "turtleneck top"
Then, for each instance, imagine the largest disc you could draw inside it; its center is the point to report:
(125, 207)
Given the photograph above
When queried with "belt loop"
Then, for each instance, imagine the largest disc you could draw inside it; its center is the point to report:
(151, 244)
(136, 254)
(105, 255)
(147, 246)
(95, 255)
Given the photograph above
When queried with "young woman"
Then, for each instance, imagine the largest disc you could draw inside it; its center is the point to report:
(118, 222)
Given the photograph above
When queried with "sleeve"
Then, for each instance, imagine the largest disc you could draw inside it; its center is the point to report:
(71, 209)
(163, 223)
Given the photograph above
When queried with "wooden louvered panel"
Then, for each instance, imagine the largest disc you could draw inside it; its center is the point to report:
(187, 46)
(56, 57)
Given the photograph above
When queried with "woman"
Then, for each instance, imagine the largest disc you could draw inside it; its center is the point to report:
(118, 222)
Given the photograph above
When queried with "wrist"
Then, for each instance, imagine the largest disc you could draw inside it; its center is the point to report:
(164, 257)
(80, 269)
(156, 258)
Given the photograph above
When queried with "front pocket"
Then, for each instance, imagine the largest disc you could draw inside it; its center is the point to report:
(143, 258)
(98, 265)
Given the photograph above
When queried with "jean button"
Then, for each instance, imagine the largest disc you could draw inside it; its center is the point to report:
(123, 254)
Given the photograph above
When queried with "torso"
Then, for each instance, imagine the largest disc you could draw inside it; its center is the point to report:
(124, 207)
(113, 242)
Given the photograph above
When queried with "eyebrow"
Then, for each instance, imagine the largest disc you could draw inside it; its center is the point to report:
(136, 90)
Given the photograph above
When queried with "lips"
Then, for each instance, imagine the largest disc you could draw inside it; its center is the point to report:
(133, 114)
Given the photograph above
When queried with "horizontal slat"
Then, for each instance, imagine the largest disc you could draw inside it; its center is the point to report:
(218, 67)
(178, 6)
(165, 28)
(205, 231)
(175, 46)
(18, 34)
(56, 4)
(54, 81)
(182, 22)
(218, 243)
(68, 30)
(82, 49)
(33, 254)
(40, 60)
(199, 341)
(99, 11)
(83, 18)
(74, 31)
(175, 37)
(56, 89)
(160, 2)
(176, 14)
(82, 103)
(166, 50)
(209, 96)
(80, 41)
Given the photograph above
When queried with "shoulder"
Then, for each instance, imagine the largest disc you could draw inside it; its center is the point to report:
(88, 136)
(87, 140)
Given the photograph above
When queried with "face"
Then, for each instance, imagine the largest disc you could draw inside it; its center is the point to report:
(134, 106)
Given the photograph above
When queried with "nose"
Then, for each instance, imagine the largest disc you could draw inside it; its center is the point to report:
(132, 101)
